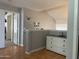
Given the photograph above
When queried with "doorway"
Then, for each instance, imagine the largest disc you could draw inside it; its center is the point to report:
(11, 28)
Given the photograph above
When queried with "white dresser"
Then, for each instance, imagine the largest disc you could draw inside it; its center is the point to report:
(56, 44)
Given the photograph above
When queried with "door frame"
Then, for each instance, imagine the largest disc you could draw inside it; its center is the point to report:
(18, 28)
(72, 35)
(13, 9)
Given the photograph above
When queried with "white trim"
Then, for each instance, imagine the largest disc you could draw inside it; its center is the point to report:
(35, 50)
(75, 37)
(18, 27)
(22, 25)
(27, 52)
(21, 45)
(72, 39)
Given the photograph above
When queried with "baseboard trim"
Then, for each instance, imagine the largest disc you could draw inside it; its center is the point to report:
(27, 52)
(35, 50)
(21, 45)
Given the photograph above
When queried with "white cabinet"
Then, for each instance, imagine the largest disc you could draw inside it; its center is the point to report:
(56, 44)
(49, 43)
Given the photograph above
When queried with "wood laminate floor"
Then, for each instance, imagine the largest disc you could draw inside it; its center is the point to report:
(17, 52)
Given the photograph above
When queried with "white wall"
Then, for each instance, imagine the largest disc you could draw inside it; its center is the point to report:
(60, 14)
(2, 29)
(61, 26)
(46, 22)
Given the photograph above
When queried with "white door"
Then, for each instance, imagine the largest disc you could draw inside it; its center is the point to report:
(16, 35)
(2, 31)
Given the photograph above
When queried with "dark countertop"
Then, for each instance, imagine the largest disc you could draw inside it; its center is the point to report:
(58, 36)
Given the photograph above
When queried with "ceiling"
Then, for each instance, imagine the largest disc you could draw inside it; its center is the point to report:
(55, 8)
(37, 5)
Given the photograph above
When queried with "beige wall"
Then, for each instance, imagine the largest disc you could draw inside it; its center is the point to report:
(46, 22)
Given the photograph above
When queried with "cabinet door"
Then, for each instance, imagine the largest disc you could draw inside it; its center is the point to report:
(59, 42)
(56, 44)
(49, 43)
(62, 43)
(59, 45)
(60, 50)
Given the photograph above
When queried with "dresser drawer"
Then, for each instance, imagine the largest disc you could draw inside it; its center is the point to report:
(60, 50)
(49, 43)
(56, 44)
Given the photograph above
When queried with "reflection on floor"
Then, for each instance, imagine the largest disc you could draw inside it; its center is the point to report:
(16, 52)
